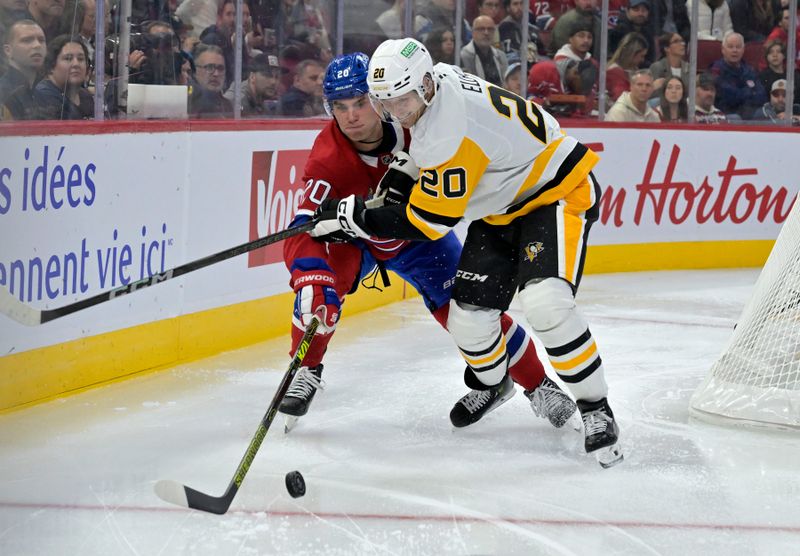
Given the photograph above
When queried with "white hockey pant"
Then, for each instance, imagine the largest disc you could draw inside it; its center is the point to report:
(550, 309)
(477, 333)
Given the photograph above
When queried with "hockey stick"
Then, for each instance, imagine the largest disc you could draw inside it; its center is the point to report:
(18, 311)
(181, 495)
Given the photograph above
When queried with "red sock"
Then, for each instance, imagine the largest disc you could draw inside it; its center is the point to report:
(526, 369)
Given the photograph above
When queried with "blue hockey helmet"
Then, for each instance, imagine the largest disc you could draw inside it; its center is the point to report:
(346, 77)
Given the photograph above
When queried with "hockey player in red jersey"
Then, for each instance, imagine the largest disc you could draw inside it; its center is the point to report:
(359, 154)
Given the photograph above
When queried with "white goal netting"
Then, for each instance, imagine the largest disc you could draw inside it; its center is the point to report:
(757, 378)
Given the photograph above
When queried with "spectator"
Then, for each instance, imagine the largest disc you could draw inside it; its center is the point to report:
(704, 110)
(775, 58)
(206, 100)
(86, 21)
(479, 57)
(713, 19)
(47, 13)
(13, 10)
(579, 45)
(512, 80)
(260, 89)
(774, 110)
(155, 58)
(584, 10)
(304, 97)
(738, 89)
(510, 33)
(632, 105)
(628, 58)
(491, 8)
(61, 94)
(391, 21)
(634, 19)
(673, 49)
(547, 80)
(781, 33)
(673, 106)
(754, 19)
(25, 49)
(441, 44)
(439, 13)
(670, 16)
(223, 34)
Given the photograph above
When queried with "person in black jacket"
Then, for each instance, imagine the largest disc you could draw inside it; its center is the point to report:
(635, 19)
(25, 48)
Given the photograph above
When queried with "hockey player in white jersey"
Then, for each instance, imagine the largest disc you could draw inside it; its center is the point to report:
(488, 156)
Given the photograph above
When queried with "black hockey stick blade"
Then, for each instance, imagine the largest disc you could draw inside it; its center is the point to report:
(182, 495)
(18, 311)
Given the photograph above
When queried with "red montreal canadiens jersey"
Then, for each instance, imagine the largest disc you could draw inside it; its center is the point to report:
(335, 169)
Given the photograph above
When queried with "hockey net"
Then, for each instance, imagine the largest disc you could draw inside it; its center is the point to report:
(757, 378)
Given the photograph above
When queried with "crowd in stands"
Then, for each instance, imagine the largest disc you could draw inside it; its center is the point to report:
(48, 56)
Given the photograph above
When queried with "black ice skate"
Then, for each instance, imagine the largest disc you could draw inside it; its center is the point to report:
(300, 394)
(601, 432)
(551, 402)
(477, 403)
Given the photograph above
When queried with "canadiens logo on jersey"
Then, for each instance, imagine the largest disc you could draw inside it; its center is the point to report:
(533, 249)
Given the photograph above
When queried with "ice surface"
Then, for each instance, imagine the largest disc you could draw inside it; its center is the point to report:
(386, 473)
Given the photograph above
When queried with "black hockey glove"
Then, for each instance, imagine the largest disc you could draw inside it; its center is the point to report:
(396, 184)
(340, 221)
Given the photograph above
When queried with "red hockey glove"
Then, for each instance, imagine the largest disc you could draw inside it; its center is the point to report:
(315, 290)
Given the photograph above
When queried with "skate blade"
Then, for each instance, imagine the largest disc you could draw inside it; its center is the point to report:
(289, 423)
(609, 456)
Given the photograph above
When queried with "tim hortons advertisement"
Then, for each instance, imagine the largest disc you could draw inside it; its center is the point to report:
(692, 185)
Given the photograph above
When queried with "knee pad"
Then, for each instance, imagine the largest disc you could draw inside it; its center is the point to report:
(473, 328)
(547, 304)
(550, 308)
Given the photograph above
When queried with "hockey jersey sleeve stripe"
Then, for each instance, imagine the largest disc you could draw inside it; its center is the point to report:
(539, 167)
(431, 230)
(571, 173)
(446, 189)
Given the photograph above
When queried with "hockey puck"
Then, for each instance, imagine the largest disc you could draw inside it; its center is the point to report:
(295, 484)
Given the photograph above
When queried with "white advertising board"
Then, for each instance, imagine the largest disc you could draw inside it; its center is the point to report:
(80, 214)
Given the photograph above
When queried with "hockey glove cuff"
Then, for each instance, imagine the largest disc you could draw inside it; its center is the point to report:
(396, 184)
(340, 221)
(315, 291)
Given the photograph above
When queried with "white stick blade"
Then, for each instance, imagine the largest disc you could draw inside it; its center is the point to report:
(172, 492)
(18, 311)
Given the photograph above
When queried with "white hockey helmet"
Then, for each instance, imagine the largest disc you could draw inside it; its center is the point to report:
(397, 67)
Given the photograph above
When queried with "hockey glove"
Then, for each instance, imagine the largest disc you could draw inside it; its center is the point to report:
(396, 184)
(340, 221)
(314, 287)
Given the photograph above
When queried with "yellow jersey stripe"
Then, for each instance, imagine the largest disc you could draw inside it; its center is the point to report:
(575, 361)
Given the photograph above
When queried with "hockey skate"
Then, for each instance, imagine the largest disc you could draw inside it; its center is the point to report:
(477, 403)
(551, 402)
(300, 394)
(601, 432)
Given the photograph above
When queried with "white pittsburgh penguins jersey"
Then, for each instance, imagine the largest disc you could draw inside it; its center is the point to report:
(486, 153)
